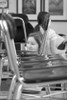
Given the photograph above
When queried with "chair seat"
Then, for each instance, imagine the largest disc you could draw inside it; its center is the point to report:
(44, 75)
(35, 69)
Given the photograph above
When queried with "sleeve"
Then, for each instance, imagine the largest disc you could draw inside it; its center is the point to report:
(53, 35)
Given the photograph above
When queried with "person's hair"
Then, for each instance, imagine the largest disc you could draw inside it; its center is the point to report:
(43, 19)
(37, 38)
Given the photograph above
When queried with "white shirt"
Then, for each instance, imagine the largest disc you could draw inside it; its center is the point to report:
(52, 35)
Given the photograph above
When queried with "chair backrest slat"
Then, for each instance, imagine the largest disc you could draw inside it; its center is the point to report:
(23, 25)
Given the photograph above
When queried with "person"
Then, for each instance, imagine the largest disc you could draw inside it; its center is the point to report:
(45, 40)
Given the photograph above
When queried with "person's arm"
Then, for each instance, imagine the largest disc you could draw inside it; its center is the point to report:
(53, 47)
(54, 50)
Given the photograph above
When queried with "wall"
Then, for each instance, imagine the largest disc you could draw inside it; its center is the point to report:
(11, 6)
(60, 27)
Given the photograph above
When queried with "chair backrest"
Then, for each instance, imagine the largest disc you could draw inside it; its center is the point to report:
(19, 18)
(23, 16)
(21, 30)
(7, 26)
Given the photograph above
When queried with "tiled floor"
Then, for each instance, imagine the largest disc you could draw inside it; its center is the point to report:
(5, 84)
(3, 99)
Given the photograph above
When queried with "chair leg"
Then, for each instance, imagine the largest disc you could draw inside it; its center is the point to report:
(12, 87)
(17, 92)
(1, 66)
(48, 91)
(64, 88)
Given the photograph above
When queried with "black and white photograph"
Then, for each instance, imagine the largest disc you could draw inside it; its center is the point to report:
(33, 49)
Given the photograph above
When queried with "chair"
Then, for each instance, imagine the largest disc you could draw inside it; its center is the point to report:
(20, 23)
(51, 74)
(24, 28)
(28, 25)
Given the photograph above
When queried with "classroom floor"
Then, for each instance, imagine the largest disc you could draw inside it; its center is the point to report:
(6, 84)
